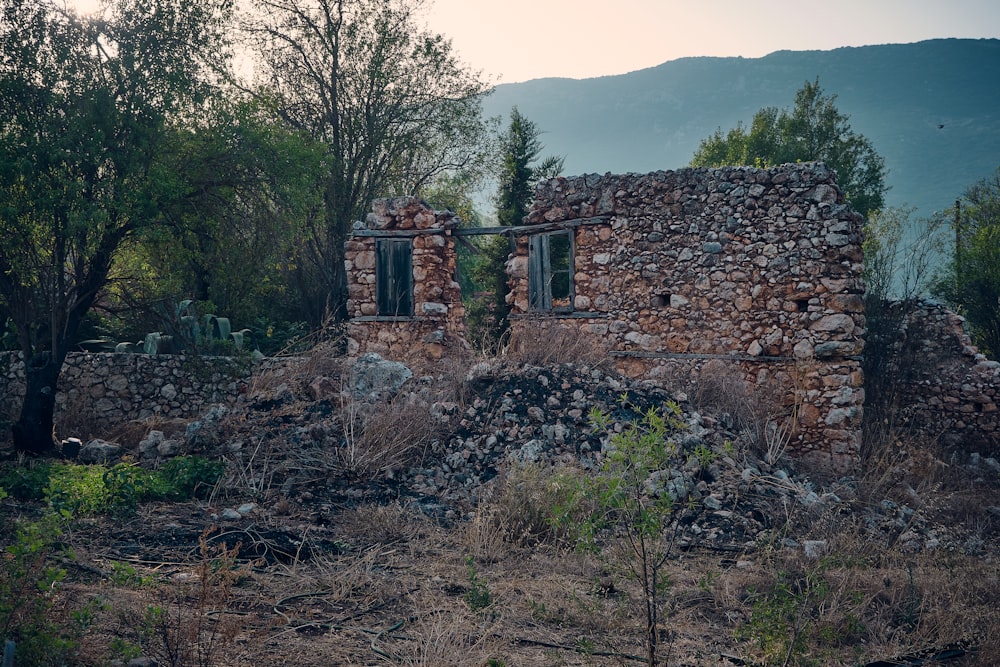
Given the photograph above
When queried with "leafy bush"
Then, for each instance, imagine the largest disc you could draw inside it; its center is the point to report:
(188, 477)
(27, 482)
(73, 489)
(27, 580)
(622, 514)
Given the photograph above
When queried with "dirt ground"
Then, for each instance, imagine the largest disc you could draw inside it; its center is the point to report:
(383, 584)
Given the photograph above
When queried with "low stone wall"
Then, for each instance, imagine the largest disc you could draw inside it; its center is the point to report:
(101, 389)
(757, 268)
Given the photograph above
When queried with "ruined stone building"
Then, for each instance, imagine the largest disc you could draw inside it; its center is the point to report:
(740, 285)
(742, 279)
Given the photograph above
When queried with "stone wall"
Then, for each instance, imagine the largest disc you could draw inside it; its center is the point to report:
(437, 320)
(952, 391)
(759, 269)
(101, 390)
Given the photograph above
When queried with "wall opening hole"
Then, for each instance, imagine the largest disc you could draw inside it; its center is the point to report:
(802, 305)
(660, 301)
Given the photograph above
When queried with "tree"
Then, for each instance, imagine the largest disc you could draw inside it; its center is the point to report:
(520, 171)
(392, 105)
(248, 185)
(622, 511)
(86, 109)
(971, 283)
(814, 130)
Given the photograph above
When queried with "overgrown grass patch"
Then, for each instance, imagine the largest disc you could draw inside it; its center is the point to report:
(83, 490)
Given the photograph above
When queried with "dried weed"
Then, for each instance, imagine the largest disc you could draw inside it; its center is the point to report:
(540, 344)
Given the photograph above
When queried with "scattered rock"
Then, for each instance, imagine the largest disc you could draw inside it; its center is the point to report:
(100, 452)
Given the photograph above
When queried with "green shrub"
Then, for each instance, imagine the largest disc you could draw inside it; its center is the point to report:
(27, 580)
(620, 513)
(81, 490)
(187, 477)
(93, 489)
(27, 482)
(478, 596)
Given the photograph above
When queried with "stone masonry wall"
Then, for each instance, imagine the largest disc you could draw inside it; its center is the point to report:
(759, 269)
(438, 318)
(103, 389)
(952, 391)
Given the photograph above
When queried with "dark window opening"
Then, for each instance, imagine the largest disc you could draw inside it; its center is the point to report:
(394, 277)
(802, 305)
(550, 274)
(660, 301)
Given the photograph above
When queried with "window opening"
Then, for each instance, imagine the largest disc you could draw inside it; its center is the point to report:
(550, 277)
(394, 277)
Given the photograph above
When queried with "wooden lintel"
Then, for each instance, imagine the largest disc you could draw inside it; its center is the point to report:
(400, 233)
(526, 230)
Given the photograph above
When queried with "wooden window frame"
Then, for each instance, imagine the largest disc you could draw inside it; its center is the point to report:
(394, 277)
(542, 275)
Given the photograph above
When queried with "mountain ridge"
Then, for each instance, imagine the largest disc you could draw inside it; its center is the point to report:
(930, 108)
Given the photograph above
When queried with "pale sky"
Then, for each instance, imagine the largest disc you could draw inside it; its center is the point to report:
(517, 40)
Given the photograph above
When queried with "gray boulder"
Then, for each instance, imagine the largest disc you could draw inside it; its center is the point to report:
(99, 451)
(373, 377)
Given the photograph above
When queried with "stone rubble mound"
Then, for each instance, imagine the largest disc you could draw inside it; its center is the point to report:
(512, 415)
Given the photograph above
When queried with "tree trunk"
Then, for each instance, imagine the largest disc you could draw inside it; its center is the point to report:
(34, 430)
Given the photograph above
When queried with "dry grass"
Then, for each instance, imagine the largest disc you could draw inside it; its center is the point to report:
(766, 415)
(540, 344)
(395, 589)
(397, 593)
(383, 437)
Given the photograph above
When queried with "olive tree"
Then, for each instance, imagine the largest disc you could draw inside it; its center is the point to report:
(87, 106)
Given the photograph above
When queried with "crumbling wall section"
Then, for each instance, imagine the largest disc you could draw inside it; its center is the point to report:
(435, 320)
(756, 269)
(952, 391)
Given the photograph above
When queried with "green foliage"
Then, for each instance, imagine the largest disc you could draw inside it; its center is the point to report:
(123, 649)
(231, 240)
(814, 130)
(27, 582)
(801, 610)
(971, 285)
(486, 313)
(126, 576)
(479, 596)
(205, 334)
(704, 456)
(75, 490)
(186, 477)
(521, 169)
(621, 512)
(90, 109)
(89, 489)
(26, 482)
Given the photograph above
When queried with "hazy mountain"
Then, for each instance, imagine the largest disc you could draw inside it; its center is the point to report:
(931, 109)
